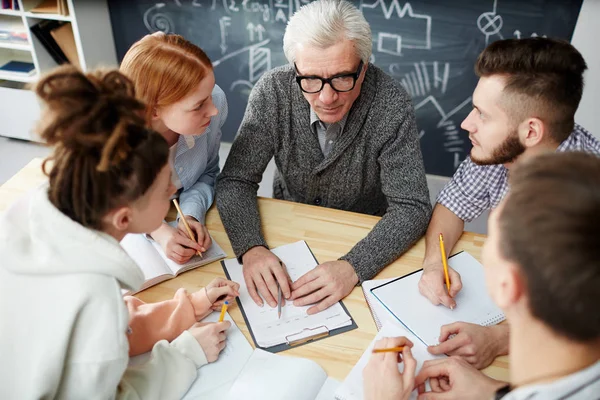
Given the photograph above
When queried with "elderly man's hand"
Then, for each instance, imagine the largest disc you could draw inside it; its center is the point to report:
(325, 285)
(263, 271)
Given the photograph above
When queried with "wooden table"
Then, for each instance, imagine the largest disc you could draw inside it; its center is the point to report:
(329, 233)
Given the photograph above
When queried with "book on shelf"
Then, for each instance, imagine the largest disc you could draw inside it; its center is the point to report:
(10, 5)
(17, 69)
(51, 7)
(42, 30)
(12, 30)
(64, 38)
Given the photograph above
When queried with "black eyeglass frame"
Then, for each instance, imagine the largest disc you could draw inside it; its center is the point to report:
(354, 76)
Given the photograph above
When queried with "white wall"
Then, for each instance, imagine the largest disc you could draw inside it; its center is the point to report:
(585, 39)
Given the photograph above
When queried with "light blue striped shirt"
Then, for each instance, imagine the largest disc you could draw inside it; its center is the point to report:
(197, 164)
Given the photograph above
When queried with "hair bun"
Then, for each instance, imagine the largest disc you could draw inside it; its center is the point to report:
(89, 112)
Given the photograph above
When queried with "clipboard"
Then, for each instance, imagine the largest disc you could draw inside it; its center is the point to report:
(319, 332)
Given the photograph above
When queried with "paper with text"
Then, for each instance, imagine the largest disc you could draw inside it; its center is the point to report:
(294, 324)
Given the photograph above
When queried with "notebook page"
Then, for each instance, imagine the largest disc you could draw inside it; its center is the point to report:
(142, 252)
(328, 389)
(474, 305)
(268, 330)
(380, 314)
(268, 376)
(353, 387)
(214, 253)
(215, 379)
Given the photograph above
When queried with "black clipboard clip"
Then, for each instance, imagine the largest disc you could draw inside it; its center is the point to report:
(316, 336)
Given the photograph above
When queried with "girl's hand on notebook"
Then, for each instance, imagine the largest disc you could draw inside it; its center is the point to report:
(211, 337)
(454, 378)
(478, 345)
(221, 290)
(382, 380)
(433, 285)
(175, 243)
(200, 232)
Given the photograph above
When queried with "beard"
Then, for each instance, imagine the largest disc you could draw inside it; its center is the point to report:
(505, 153)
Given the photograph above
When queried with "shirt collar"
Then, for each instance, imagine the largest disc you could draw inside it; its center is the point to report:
(314, 118)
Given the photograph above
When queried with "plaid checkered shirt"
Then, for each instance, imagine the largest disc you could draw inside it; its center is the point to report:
(476, 188)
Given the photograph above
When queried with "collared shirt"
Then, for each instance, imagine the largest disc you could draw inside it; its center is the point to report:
(196, 162)
(327, 133)
(476, 188)
(582, 385)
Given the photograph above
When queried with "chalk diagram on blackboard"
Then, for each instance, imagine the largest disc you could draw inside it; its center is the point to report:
(407, 54)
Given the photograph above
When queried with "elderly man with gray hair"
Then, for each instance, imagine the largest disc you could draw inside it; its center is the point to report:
(344, 136)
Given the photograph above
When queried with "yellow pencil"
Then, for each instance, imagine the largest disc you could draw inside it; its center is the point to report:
(187, 227)
(396, 349)
(223, 311)
(445, 262)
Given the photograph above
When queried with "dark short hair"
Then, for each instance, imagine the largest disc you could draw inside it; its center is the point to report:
(549, 226)
(544, 79)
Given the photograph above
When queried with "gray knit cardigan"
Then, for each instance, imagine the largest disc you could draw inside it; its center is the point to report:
(375, 166)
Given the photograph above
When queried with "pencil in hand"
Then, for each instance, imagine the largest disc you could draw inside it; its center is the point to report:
(389, 350)
(445, 262)
(223, 311)
(187, 227)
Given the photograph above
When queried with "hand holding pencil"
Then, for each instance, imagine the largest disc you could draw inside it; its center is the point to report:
(194, 230)
(383, 367)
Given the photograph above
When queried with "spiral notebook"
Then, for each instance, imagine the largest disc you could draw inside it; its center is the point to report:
(402, 299)
(379, 313)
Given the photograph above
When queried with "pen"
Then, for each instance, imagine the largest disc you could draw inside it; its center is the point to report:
(279, 302)
(279, 295)
(388, 350)
(445, 262)
(187, 227)
(223, 311)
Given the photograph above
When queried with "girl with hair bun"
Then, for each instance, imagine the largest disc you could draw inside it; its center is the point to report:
(175, 79)
(65, 324)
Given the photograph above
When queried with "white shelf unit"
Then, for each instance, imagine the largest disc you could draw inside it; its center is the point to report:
(92, 31)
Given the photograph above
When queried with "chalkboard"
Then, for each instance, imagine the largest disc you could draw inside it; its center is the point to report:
(429, 46)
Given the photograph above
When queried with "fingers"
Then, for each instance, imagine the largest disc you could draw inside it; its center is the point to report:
(304, 279)
(317, 295)
(455, 282)
(182, 239)
(433, 369)
(207, 239)
(222, 293)
(450, 329)
(252, 290)
(223, 326)
(446, 300)
(272, 287)
(262, 288)
(323, 305)
(283, 280)
(449, 345)
(306, 289)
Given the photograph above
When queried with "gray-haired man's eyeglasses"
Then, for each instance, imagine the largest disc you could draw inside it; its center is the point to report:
(339, 83)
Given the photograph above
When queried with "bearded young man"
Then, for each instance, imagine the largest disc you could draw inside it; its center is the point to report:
(523, 105)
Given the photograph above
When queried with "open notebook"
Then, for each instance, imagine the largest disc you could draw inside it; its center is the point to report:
(353, 387)
(401, 298)
(152, 260)
(295, 326)
(243, 373)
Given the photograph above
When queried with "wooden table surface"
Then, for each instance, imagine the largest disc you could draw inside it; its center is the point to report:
(329, 233)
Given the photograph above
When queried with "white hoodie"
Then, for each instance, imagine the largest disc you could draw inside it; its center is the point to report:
(63, 319)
